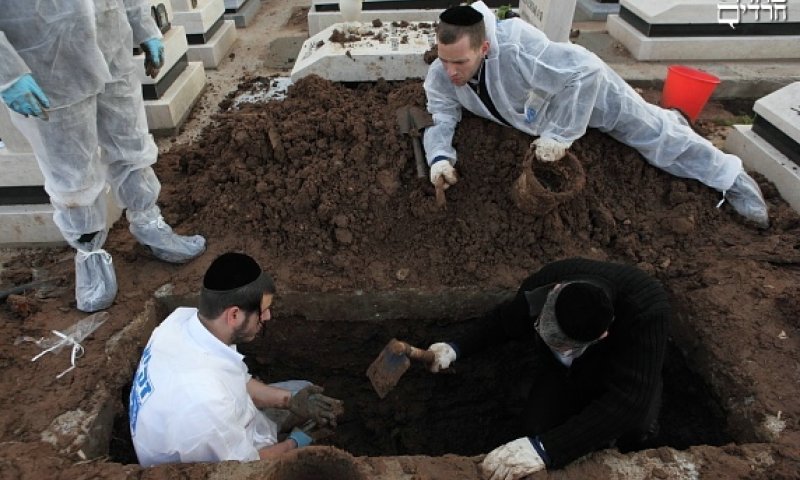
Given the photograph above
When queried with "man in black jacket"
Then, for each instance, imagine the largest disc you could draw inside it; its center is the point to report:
(599, 332)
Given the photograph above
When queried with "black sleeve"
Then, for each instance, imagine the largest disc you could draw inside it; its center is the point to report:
(508, 321)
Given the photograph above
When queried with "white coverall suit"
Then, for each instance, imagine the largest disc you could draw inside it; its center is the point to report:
(81, 54)
(557, 90)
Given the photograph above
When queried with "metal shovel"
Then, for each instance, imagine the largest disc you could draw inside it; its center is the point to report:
(42, 282)
(392, 363)
(411, 120)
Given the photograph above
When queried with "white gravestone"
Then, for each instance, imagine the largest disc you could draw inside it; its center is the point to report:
(553, 17)
(209, 35)
(185, 5)
(708, 29)
(771, 146)
(324, 13)
(241, 12)
(170, 96)
(233, 4)
(595, 10)
(392, 51)
(27, 224)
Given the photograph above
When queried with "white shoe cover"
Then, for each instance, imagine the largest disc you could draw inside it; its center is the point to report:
(745, 197)
(95, 279)
(151, 230)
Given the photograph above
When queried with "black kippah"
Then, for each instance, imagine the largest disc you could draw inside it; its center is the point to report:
(462, 15)
(230, 271)
(584, 311)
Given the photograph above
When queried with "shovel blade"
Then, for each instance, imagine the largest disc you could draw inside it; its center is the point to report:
(386, 370)
(411, 118)
(419, 118)
(404, 119)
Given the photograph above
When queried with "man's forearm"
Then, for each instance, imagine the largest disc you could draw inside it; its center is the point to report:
(265, 396)
(445, 111)
(142, 23)
(14, 66)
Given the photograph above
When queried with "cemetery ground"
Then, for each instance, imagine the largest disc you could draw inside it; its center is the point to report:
(321, 189)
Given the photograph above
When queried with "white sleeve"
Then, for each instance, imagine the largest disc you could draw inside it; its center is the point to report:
(142, 22)
(12, 66)
(445, 108)
(571, 77)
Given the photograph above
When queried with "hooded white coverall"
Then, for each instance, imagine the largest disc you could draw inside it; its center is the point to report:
(558, 90)
(81, 54)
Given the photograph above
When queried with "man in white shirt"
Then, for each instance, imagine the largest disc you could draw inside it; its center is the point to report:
(192, 398)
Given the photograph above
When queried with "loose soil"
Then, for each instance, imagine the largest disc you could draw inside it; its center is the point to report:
(321, 189)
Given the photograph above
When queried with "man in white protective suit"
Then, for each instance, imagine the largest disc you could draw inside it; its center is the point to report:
(509, 72)
(68, 73)
(193, 398)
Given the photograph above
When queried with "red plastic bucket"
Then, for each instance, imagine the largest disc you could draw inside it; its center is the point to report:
(687, 89)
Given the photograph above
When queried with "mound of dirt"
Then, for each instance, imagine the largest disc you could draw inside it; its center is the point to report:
(325, 180)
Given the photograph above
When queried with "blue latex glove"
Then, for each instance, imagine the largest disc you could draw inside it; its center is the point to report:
(153, 56)
(26, 97)
(301, 438)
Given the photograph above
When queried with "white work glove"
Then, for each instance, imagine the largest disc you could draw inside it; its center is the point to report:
(442, 168)
(445, 355)
(549, 150)
(512, 461)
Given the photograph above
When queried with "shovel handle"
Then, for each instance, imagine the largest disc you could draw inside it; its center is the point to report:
(419, 158)
(21, 288)
(441, 201)
(425, 356)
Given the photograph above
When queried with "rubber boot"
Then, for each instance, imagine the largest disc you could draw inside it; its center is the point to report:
(150, 229)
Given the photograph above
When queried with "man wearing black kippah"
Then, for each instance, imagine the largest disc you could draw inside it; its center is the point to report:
(192, 398)
(599, 333)
(509, 72)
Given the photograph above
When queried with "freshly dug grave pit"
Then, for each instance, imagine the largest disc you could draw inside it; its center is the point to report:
(468, 412)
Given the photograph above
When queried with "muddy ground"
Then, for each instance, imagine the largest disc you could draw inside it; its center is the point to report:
(321, 189)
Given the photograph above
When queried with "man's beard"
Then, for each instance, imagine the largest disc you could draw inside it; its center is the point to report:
(240, 335)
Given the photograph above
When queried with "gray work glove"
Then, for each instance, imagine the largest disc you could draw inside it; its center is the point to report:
(316, 432)
(310, 404)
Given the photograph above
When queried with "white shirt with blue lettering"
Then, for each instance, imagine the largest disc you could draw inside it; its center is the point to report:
(189, 400)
